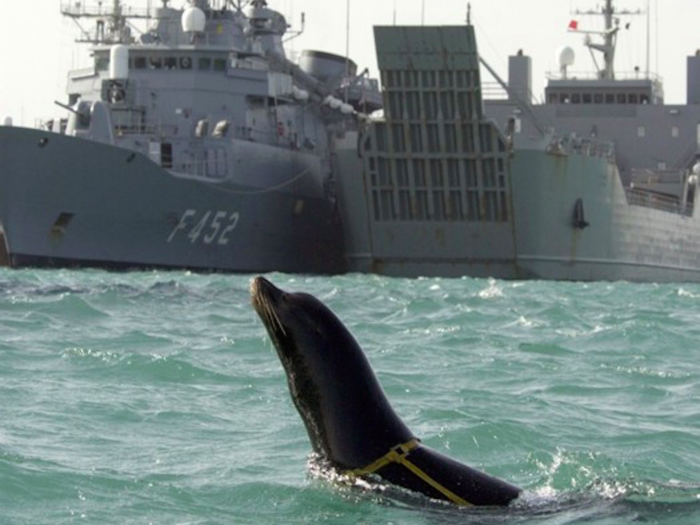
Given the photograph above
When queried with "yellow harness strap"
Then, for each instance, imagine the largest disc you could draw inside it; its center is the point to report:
(399, 454)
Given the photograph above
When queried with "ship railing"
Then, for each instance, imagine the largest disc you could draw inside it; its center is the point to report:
(87, 8)
(198, 168)
(493, 91)
(566, 144)
(658, 201)
(649, 176)
(593, 75)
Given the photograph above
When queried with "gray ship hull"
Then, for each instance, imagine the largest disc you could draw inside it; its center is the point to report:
(621, 241)
(70, 202)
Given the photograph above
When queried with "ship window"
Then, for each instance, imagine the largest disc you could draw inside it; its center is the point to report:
(565, 98)
(220, 64)
(170, 63)
(101, 64)
(576, 98)
(185, 63)
(140, 62)
(644, 99)
(621, 98)
(553, 98)
(166, 155)
(155, 62)
(609, 98)
(632, 98)
(598, 98)
(587, 98)
(205, 63)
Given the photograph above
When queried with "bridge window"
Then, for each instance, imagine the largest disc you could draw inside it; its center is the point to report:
(621, 98)
(205, 64)
(102, 64)
(140, 63)
(632, 98)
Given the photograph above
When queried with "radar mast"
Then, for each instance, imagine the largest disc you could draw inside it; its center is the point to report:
(609, 35)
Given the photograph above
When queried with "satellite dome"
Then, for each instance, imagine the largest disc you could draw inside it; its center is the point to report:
(565, 57)
(193, 20)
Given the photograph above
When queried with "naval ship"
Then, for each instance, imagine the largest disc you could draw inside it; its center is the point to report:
(199, 144)
(597, 182)
(192, 143)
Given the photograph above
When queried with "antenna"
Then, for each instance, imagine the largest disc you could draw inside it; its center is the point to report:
(422, 13)
(648, 36)
(609, 35)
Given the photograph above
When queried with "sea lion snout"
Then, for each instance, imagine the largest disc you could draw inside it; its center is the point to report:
(262, 290)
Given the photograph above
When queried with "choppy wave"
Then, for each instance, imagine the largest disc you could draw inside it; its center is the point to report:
(156, 397)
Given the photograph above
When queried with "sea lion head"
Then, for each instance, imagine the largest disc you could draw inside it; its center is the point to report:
(347, 416)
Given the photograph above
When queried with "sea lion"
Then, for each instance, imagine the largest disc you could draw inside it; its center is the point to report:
(347, 415)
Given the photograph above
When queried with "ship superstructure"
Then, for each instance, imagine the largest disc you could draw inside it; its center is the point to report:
(196, 143)
(599, 182)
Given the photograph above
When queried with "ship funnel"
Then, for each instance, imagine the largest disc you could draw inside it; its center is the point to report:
(565, 58)
(194, 20)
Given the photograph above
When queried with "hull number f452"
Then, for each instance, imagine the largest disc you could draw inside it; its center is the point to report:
(207, 227)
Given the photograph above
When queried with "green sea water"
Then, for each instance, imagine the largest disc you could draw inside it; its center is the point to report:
(157, 398)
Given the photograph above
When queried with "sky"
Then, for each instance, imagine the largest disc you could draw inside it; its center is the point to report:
(37, 47)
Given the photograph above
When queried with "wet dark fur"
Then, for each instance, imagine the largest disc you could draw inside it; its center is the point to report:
(349, 420)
